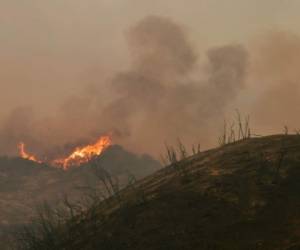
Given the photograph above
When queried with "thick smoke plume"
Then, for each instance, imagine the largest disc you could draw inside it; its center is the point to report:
(165, 94)
(159, 99)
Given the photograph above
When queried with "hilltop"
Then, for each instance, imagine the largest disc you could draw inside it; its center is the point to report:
(244, 195)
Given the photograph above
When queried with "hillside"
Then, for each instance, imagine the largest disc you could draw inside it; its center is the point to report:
(24, 185)
(245, 195)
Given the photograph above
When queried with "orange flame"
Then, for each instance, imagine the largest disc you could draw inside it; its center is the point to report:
(26, 155)
(79, 156)
(83, 154)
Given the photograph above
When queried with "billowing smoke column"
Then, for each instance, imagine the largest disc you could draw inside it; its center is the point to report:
(165, 94)
(159, 99)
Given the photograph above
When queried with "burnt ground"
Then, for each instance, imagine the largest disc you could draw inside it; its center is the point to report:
(245, 195)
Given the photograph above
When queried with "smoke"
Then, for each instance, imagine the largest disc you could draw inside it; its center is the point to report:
(159, 99)
(171, 102)
(165, 94)
(276, 64)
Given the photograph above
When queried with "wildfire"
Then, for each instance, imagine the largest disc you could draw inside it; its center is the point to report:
(83, 154)
(26, 155)
(79, 156)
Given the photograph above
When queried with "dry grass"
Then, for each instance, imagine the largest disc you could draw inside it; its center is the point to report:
(238, 129)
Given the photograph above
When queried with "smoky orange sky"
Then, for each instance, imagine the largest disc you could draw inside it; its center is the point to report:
(149, 71)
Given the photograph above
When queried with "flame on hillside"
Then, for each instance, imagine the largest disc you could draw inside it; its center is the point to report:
(77, 157)
(83, 154)
(23, 154)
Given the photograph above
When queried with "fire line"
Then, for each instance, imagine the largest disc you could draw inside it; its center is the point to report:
(79, 156)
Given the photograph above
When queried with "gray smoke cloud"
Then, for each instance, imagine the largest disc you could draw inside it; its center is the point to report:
(165, 94)
(158, 99)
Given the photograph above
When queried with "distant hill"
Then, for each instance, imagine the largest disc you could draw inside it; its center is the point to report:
(25, 184)
(244, 195)
(117, 161)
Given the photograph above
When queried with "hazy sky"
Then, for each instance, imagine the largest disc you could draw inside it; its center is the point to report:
(53, 49)
(50, 49)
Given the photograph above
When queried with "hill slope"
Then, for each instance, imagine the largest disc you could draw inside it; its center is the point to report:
(245, 195)
(25, 184)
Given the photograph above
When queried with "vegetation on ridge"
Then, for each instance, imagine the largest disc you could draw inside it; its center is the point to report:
(243, 195)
